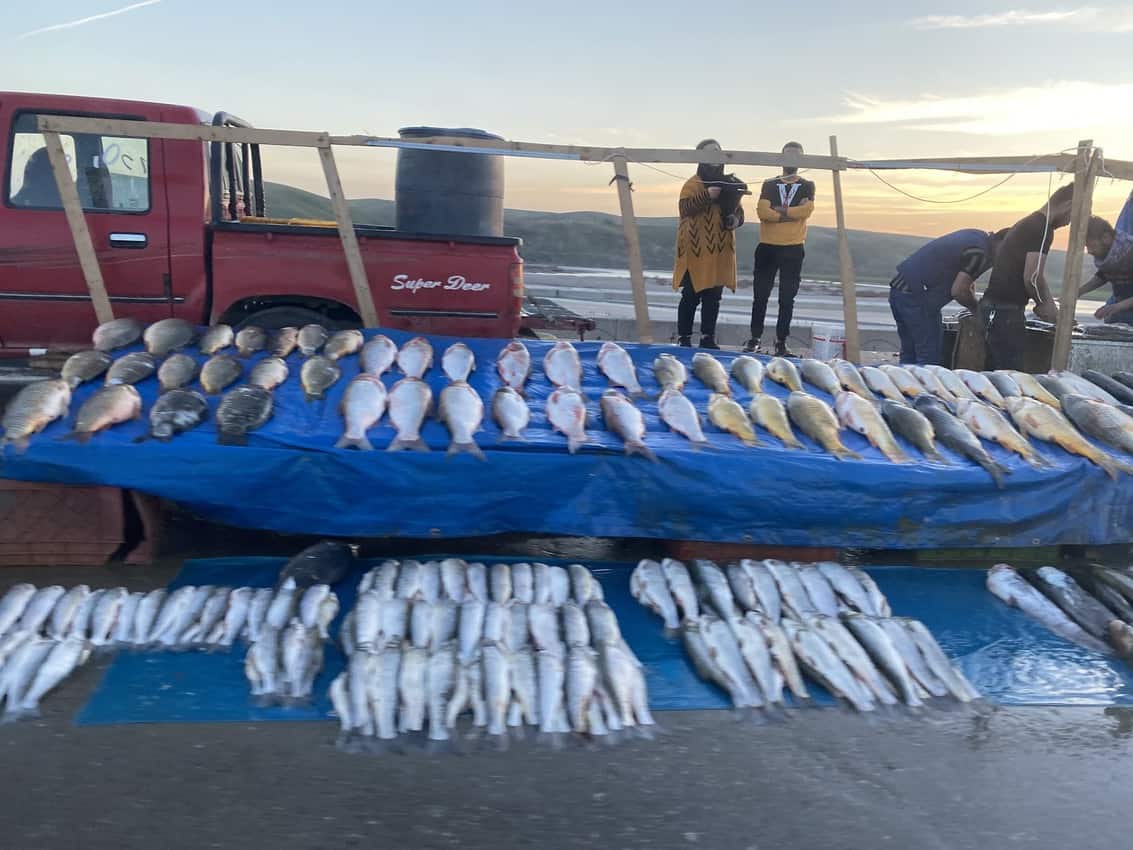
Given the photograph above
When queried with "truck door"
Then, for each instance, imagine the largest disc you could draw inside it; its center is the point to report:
(44, 301)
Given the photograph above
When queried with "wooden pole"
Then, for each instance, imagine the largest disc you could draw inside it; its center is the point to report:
(1085, 173)
(76, 220)
(633, 251)
(349, 238)
(846, 267)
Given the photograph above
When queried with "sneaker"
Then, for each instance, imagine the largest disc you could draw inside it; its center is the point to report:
(750, 346)
(684, 342)
(781, 349)
(708, 342)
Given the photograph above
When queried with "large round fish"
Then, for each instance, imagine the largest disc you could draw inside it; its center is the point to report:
(176, 411)
(710, 372)
(458, 361)
(167, 335)
(562, 365)
(617, 366)
(283, 342)
(415, 357)
(378, 355)
(318, 374)
(343, 343)
(670, 372)
(748, 372)
(220, 372)
(770, 414)
(311, 338)
(177, 371)
(1044, 423)
(905, 380)
(511, 413)
(268, 373)
(680, 415)
(409, 403)
(242, 410)
(84, 366)
(726, 414)
(782, 371)
(461, 410)
(862, 417)
(881, 383)
(987, 422)
(251, 339)
(566, 411)
(914, 426)
(979, 384)
(815, 419)
(216, 338)
(514, 365)
(132, 368)
(625, 420)
(107, 407)
(1101, 421)
(955, 435)
(851, 379)
(363, 404)
(117, 333)
(819, 374)
(34, 407)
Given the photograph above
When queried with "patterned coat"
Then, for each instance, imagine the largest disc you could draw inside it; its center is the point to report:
(705, 250)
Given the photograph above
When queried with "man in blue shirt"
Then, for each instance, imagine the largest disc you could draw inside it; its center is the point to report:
(943, 270)
(1112, 251)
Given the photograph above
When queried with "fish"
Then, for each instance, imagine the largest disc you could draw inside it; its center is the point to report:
(168, 335)
(543, 621)
(825, 666)
(730, 668)
(524, 688)
(360, 668)
(311, 338)
(117, 333)
(412, 689)
(83, 366)
(1121, 637)
(362, 407)
(325, 562)
(241, 411)
(257, 612)
(462, 411)
(955, 435)
(915, 663)
(452, 579)
(1007, 386)
(882, 384)
(851, 379)
(1079, 605)
(444, 622)
(818, 588)
(513, 364)
(877, 598)
(268, 373)
(21, 668)
(856, 659)
(458, 362)
(932, 384)
(679, 413)
(522, 583)
(914, 426)
(470, 629)
(793, 596)
(562, 366)
(343, 343)
(862, 417)
(409, 402)
(178, 370)
(987, 422)
(319, 373)
(616, 364)
(764, 586)
(38, 608)
(170, 620)
(938, 662)
(365, 628)
(782, 371)
(282, 606)
(1106, 593)
(109, 406)
(1029, 387)
(952, 382)
(625, 683)
(1120, 393)
(819, 374)
(1101, 421)
(560, 586)
(378, 355)
(33, 408)
(710, 372)
(339, 695)
(726, 414)
(1083, 386)
(415, 357)
(250, 339)
(500, 583)
(815, 419)
(64, 611)
(1124, 378)
(625, 420)
(848, 588)
(781, 654)
(755, 648)
(648, 586)
(59, 662)
(983, 388)
(496, 666)
(212, 612)
(584, 587)
(235, 616)
(511, 413)
(566, 411)
(582, 677)
(216, 338)
(714, 583)
(393, 619)
(124, 626)
(1006, 583)
(476, 578)
(382, 692)
(542, 589)
(13, 604)
(301, 656)
(768, 412)
(220, 372)
(131, 369)
(1044, 423)
(873, 638)
(310, 604)
(682, 588)
(408, 581)
(283, 342)
(576, 628)
(670, 372)
(421, 624)
(105, 615)
(909, 382)
(742, 589)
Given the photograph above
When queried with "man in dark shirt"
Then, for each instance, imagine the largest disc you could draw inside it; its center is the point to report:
(1018, 278)
(1112, 251)
(943, 270)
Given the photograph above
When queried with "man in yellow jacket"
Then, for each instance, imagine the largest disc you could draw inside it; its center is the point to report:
(785, 203)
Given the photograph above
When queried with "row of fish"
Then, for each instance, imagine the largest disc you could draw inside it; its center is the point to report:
(1092, 608)
(515, 645)
(755, 628)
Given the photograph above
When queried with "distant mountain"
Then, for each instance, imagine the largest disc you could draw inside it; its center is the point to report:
(595, 240)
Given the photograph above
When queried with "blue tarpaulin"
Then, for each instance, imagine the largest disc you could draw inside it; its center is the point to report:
(1011, 659)
(291, 479)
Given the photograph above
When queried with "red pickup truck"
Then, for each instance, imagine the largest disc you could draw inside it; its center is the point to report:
(173, 238)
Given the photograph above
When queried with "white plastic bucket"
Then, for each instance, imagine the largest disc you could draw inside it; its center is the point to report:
(827, 342)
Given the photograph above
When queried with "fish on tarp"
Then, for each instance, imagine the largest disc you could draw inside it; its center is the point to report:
(732, 671)
(848, 588)
(625, 420)
(856, 659)
(1101, 421)
(134, 367)
(1121, 638)
(815, 419)
(562, 365)
(861, 417)
(765, 588)
(874, 639)
(241, 411)
(938, 662)
(932, 383)
(168, 335)
(1079, 605)
(1010, 587)
(769, 413)
(318, 375)
(362, 407)
(283, 342)
(679, 413)
(1075, 383)
(1030, 387)
(908, 381)
(511, 413)
(989, 423)
(1044, 423)
(877, 598)
(727, 415)
(616, 364)
(462, 410)
(713, 583)
(824, 665)
(670, 372)
(793, 595)
(748, 372)
(648, 586)
(882, 384)
(83, 366)
(117, 333)
(311, 338)
(269, 373)
(378, 355)
(818, 374)
(566, 411)
(410, 400)
(956, 436)
(458, 361)
(220, 372)
(914, 426)
(710, 372)
(783, 372)
(1007, 386)
(174, 413)
(979, 384)
(681, 587)
(216, 338)
(415, 358)
(343, 343)
(63, 614)
(513, 364)
(250, 339)
(57, 665)
(109, 406)
(178, 370)
(818, 588)
(851, 379)
(326, 562)
(952, 382)
(33, 408)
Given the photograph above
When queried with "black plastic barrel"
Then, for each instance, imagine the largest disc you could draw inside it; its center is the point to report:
(461, 194)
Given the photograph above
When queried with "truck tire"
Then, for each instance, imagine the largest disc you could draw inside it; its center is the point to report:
(274, 318)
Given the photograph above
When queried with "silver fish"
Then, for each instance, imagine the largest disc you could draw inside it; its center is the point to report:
(383, 692)
(710, 372)
(625, 420)
(541, 591)
(257, 611)
(742, 589)
(856, 659)
(220, 372)
(523, 583)
(877, 598)
(543, 622)
(824, 665)
(882, 384)
(131, 369)
(39, 607)
(511, 413)
(980, 385)
(681, 587)
(476, 576)
(452, 579)
(319, 374)
(680, 414)
(268, 373)
(56, 666)
(781, 653)
(471, 629)
(409, 580)
(83, 366)
(282, 606)
(497, 686)
(105, 615)
(367, 621)
(421, 624)
(343, 343)
(755, 649)
(562, 365)
(715, 584)
(80, 625)
(514, 365)
(393, 617)
(328, 610)
(458, 361)
(938, 662)
(783, 371)
(409, 403)
(117, 333)
(235, 616)
(411, 689)
(497, 624)
(907, 382)
(765, 588)
(124, 627)
(748, 372)
(566, 411)
(792, 592)
(518, 626)
(525, 686)
(1011, 588)
(175, 412)
(501, 583)
(732, 668)
(670, 372)
(340, 701)
(818, 589)
(583, 584)
(576, 629)
(819, 374)
(261, 664)
(296, 651)
(216, 338)
(20, 670)
(311, 603)
(462, 410)
(911, 655)
(177, 371)
(168, 334)
(283, 342)
(551, 670)
(582, 677)
(311, 338)
(648, 586)
(63, 614)
(33, 408)
(415, 357)
(170, 618)
(359, 671)
(876, 642)
(560, 586)
(443, 627)
(616, 364)
(251, 339)
(927, 379)
(848, 588)
(378, 355)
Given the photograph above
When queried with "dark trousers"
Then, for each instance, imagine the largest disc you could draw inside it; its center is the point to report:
(918, 326)
(787, 262)
(1006, 328)
(709, 301)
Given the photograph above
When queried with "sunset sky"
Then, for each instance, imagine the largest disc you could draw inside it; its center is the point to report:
(928, 80)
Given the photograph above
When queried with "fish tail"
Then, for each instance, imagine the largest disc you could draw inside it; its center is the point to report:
(995, 470)
(512, 438)
(313, 396)
(232, 438)
(640, 449)
(895, 455)
(361, 443)
(640, 393)
(842, 453)
(19, 444)
(573, 444)
(471, 448)
(400, 444)
(698, 445)
(81, 437)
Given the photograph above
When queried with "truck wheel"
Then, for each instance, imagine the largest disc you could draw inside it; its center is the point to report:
(274, 318)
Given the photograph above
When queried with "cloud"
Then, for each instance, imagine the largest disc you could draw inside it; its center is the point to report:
(1063, 105)
(1083, 18)
(78, 22)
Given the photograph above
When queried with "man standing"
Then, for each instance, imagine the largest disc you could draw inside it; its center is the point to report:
(785, 203)
(1017, 278)
(935, 274)
(1112, 251)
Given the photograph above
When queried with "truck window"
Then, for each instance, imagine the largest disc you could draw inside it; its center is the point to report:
(111, 173)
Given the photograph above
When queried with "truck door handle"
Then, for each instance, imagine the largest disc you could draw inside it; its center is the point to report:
(128, 240)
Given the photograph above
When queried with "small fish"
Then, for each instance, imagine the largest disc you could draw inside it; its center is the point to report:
(625, 420)
(476, 577)
(514, 365)
(848, 588)
(989, 423)
(13, 604)
(1044, 423)
(881, 649)
(261, 665)
(1080, 385)
(415, 357)
(770, 414)
(551, 672)
(955, 435)
(131, 369)
(670, 372)
(755, 649)
(1002, 381)
(710, 372)
(819, 590)
(299, 659)
(582, 676)
(1120, 392)
(283, 342)
(914, 659)
(461, 410)
(251, 339)
(241, 411)
(167, 335)
(430, 582)
(257, 612)
(576, 628)
(453, 579)
(310, 604)
(33, 408)
(882, 384)
(714, 584)
(177, 371)
(560, 586)
(617, 366)
(877, 598)
(851, 379)
(648, 586)
(861, 417)
(216, 338)
(583, 584)
(819, 374)
(363, 405)
(85, 366)
(343, 343)
(982, 387)
(268, 373)
(511, 413)
(793, 595)
(117, 333)
(824, 665)
(63, 614)
(105, 615)
(856, 659)
(458, 361)
(765, 588)
(931, 383)
(470, 629)
(904, 380)
(63, 657)
(409, 403)
(1079, 605)
(541, 591)
(782, 371)
(679, 413)
(1029, 387)
(108, 407)
(729, 665)
(497, 686)
(727, 415)
(748, 372)
(562, 366)
(39, 607)
(911, 424)
(124, 626)
(220, 372)
(282, 606)
(412, 689)
(543, 621)
(938, 662)
(566, 411)
(952, 382)
(21, 668)
(318, 375)
(236, 615)
(681, 587)
(499, 580)
(815, 419)
(311, 338)
(409, 581)
(523, 583)
(378, 355)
